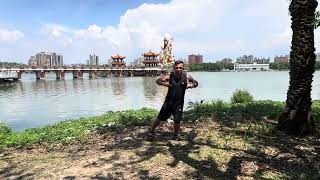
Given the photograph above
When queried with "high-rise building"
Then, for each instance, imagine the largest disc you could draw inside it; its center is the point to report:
(245, 59)
(41, 59)
(32, 61)
(56, 60)
(93, 60)
(109, 61)
(138, 61)
(226, 60)
(282, 59)
(195, 59)
(250, 59)
(262, 60)
(46, 59)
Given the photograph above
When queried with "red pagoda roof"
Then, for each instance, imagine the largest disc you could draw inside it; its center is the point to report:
(150, 53)
(118, 57)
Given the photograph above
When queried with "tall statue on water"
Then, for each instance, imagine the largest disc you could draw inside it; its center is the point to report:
(166, 56)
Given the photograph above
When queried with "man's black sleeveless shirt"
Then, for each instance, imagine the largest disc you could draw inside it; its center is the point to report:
(176, 91)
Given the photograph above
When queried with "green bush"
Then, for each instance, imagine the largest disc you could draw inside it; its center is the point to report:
(5, 131)
(241, 96)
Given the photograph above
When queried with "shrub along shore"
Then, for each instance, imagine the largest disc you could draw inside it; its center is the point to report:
(72, 130)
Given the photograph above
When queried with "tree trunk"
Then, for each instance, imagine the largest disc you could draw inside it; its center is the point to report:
(297, 117)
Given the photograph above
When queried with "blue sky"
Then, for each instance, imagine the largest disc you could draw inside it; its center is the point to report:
(75, 13)
(77, 28)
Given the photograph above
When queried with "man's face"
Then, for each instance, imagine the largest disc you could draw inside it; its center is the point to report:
(179, 68)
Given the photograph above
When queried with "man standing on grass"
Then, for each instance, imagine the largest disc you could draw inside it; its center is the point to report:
(177, 82)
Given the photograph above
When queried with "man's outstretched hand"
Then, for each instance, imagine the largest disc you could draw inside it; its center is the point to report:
(166, 84)
(190, 85)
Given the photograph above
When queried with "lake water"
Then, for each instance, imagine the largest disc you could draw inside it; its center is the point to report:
(32, 103)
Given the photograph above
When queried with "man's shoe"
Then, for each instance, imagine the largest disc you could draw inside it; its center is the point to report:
(151, 136)
(177, 137)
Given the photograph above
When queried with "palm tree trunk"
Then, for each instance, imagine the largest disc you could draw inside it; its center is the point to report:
(297, 117)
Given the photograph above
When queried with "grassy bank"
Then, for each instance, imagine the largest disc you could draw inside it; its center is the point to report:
(220, 141)
(72, 130)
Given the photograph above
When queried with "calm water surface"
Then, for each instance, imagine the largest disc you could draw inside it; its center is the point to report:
(32, 103)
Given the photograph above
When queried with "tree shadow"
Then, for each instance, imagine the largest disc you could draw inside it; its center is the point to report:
(14, 172)
(290, 160)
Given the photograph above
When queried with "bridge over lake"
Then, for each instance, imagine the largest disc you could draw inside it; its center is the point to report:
(15, 73)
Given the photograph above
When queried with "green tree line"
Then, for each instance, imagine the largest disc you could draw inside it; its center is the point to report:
(218, 66)
(221, 66)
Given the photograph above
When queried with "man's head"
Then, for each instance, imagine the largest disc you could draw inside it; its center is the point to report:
(178, 67)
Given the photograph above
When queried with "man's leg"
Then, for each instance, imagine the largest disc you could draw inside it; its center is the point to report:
(163, 115)
(177, 119)
(155, 124)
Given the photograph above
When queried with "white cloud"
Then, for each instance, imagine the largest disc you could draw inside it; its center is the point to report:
(55, 30)
(143, 28)
(282, 38)
(10, 36)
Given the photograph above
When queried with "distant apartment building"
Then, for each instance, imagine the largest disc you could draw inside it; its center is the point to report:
(245, 59)
(262, 60)
(109, 62)
(138, 61)
(195, 59)
(226, 61)
(250, 59)
(32, 61)
(56, 59)
(46, 59)
(93, 60)
(282, 59)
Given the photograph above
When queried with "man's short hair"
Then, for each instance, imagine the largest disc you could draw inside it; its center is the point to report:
(178, 62)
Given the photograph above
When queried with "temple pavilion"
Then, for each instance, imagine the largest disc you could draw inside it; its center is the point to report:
(117, 60)
(151, 59)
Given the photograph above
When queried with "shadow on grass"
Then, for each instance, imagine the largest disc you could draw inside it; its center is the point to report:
(295, 157)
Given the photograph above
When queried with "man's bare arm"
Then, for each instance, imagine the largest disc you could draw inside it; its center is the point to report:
(163, 80)
(193, 83)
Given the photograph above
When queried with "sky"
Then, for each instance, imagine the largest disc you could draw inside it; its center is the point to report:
(77, 28)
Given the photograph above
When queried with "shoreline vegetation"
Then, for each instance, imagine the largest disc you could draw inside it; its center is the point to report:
(220, 66)
(236, 139)
(68, 131)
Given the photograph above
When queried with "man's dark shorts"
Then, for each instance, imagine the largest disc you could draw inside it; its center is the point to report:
(169, 109)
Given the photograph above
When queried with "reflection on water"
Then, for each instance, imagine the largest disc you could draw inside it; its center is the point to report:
(118, 86)
(151, 90)
(32, 103)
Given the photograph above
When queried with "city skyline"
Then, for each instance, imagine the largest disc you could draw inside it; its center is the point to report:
(214, 28)
(51, 58)
(248, 58)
